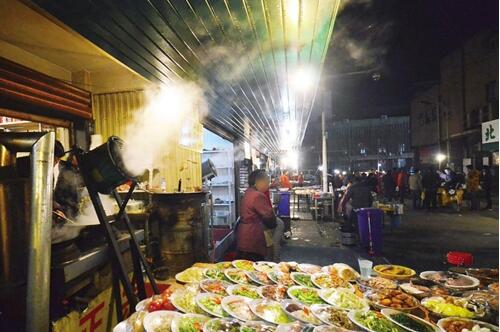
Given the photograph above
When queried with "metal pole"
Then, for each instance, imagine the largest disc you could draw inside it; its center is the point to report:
(324, 154)
(38, 281)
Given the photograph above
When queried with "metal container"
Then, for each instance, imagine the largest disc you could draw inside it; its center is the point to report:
(181, 229)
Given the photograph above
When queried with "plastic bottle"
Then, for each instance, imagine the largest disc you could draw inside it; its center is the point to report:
(163, 185)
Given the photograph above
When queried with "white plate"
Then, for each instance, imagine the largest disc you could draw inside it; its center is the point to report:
(250, 264)
(269, 316)
(339, 267)
(309, 268)
(241, 300)
(475, 282)
(178, 295)
(482, 324)
(122, 327)
(388, 312)
(192, 274)
(318, 275)
(233, 288)
(150, 321)
(316, 309)
(176, 322)
(352, 315)
(204, 286)
(261, 292)
(326, 295)
(295, 275)
(264, 266)
(199, 301)
(290, 327)
(262, 326)
(310, 319)
(242, 272)
(293, 288)
(141, 306)
(252, 276)
(206, 329)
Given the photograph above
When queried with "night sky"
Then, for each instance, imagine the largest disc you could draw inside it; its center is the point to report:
(403, 40)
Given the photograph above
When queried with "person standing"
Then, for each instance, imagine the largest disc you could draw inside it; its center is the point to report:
(473, 187)
(415, 184)
(300, 179)
(487, 184)
(430, 184)
(358, 195)
(285, 181)
(255, 212)
(401, 185)
(389, 185)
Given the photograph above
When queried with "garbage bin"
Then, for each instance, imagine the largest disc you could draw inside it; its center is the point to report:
(370, 229)
(284, 204)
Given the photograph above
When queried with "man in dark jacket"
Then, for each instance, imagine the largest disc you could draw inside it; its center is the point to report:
(430, 184)
(389, 185)
(487, 184)
(360, 196)
(255, 212)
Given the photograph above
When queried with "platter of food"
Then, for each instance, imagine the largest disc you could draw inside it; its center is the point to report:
(305, 295)
(214, 273)
(189, 323)
(343, 299)
(485, 276)
(185, 301)
(236, 276)
(372, 321)
(270, 311)
(342, 270)
(192, 274)
(258, 277)
(243, 264)
(291, 327)
(257, 326)
(159, 321)
(264, 266)
(237, 307)
(396, 272)
(273, 292)
(224, 265)
(214, 286)
(302, 279)
(299, 312)
(451, 279)
(448, 306)
(409, 322)
(392, 298)
(249, 291)
(281, 278)
(377, 283)
(308, 268)
(455, 324)
(212, 304)
(287, 267)
(220, 324)
(330, 280)
(331, 316)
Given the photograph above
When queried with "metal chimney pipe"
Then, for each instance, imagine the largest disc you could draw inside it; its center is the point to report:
(41, 146)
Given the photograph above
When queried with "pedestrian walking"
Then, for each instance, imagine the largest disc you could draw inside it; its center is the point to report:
(401, 185)
(389, 186)
(473, 186)
(430, 184)
(415, 185)
(487, 184)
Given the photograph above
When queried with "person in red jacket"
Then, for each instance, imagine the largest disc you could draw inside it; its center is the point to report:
(255, 212)
(401, 185)
(285, 181)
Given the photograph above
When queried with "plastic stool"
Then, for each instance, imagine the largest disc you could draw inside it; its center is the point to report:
(459, 258)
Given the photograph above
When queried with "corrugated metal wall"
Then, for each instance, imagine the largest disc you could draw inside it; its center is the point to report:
(113, 112)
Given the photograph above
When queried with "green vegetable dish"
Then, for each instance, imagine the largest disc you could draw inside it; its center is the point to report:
(373, 321)
(189, 323)
(244, 290)
(214, 273)
(305, 295)
(411, 323)
(211, 303)
(218, 324)
(302, 279)
(185, 301)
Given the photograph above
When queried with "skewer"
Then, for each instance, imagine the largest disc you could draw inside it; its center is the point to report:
(64, 218)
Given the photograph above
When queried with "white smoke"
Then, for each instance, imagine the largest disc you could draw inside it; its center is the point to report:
(88, 215)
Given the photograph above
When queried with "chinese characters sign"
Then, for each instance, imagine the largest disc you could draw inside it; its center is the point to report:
(490, 132)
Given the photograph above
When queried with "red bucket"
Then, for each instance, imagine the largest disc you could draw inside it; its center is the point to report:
(459, 258)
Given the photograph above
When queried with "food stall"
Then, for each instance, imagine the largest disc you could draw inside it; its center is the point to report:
(288, 296)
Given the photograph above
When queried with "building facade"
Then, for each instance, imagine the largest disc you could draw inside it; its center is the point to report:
(378, 143)
(447, 116)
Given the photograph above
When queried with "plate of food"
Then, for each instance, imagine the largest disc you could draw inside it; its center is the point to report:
(192, 274)
(331, 316)
(291, 327)
(485, 276)
(449, 306)
(214, 286)
(159, 321)
(281, 278)
(237, 306)
(409, 322)
(214, 273)
(224, 265)
(243, 264)
(260, 278)
(327, 328)
(342, 270)
(189, 323)
(220, 324)
(419, 291)
(372, 321)
(343, 299)
(330, 280)
(454, 324)
(299, 312)
(309, 268)
(376, 283)
(450, 279)
(287, 267)
(264, 266)
(257, 326)
(273, 292)
(305, 295)
(396, 272)
(212, 304)
(302, 279)
(392, 298)
(185, 301)
(237, 276)
(270, 311)
(493, 287)
(249, 291)
(133, 324)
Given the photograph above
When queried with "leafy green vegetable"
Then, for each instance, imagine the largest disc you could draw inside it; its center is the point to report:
(247, 292)
(215, 274)
(411, 323)
(375, 321)
(306, 295)
(191, 324)
(303, 279)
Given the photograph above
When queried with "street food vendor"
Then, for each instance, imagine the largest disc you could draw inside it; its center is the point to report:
(254, 214)
(359, 196)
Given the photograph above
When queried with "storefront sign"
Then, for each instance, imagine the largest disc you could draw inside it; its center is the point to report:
(490, 132)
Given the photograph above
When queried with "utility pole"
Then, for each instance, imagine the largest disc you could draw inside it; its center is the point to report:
(324, 154)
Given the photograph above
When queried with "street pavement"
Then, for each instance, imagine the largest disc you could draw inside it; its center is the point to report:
(421, 241)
